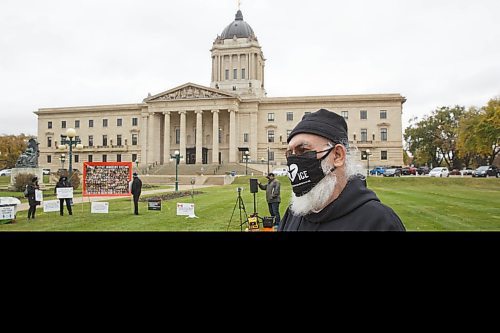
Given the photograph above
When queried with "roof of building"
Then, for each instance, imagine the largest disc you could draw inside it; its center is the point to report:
(238, 28)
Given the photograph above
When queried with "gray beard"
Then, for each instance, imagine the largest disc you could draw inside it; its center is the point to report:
(316, 199)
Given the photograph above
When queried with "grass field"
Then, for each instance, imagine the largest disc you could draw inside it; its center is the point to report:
(424, 204)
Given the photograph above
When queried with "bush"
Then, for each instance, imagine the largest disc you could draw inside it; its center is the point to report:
(22, 180)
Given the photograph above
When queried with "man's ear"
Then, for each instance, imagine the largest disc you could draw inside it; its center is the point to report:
(339, 154)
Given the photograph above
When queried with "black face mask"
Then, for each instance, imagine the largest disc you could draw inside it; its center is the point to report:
(305, 172)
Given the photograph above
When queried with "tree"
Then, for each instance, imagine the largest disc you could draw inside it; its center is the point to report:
(11, 147)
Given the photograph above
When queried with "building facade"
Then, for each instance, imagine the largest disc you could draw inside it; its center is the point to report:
(217, 124)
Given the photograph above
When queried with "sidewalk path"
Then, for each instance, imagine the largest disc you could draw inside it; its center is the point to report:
(77, 200)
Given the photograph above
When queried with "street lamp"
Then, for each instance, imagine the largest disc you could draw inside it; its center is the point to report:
(63, 159)
(247, 153)
(268, 160)
(368, 153)
(70, 139)
(177, 158)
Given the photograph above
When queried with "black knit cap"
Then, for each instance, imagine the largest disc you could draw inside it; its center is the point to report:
(323, 123)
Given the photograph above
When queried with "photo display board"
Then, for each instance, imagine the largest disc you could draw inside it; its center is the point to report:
(106, 179)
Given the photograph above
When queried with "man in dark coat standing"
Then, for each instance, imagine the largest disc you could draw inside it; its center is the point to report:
(31, 197)
(273, 197)
(135, 189)
(329, 193)
(63, 182)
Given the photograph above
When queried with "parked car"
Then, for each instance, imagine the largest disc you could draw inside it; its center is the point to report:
(455, 172)
(439, 172)
(423, 170)
(5, 172)
(409, 171)
(377, 171)
(280, 172)
(394, 172)
(467, 171)
(486, 171)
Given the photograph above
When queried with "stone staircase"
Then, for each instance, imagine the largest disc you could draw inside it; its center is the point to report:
(204, 169)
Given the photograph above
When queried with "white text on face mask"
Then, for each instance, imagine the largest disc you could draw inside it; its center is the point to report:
(303, 175)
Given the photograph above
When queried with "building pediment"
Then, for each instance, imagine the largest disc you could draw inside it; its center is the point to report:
(189, 91)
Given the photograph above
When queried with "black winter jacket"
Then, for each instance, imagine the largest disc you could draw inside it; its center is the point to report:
(356, 209)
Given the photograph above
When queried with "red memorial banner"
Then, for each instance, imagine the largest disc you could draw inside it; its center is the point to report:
(106, 178)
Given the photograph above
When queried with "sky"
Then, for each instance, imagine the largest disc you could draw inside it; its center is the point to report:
(61, 53)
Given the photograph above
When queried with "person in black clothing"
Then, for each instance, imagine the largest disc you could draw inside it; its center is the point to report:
(136, 188)
(273, 197)
(31, 197)
(328, 193)
(63, 182)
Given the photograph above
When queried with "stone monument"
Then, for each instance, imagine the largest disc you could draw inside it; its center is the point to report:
(28, 163)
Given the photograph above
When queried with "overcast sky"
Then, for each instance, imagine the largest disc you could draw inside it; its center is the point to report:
(58, 53)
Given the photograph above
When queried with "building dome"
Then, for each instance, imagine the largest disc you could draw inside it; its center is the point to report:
(238, 28)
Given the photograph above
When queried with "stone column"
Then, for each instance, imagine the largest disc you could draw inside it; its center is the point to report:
(143, 141)
(182, 145)
(215, 137)
(166, 137)
(254, 136)
(199, 136)
(232, 136)
(151, 139)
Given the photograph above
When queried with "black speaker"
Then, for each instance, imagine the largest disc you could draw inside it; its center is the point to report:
(254, 186)
(268, 221)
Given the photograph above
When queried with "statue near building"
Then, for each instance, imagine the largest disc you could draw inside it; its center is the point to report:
(29, 158)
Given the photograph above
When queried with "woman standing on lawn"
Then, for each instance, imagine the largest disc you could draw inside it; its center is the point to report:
(31, 197)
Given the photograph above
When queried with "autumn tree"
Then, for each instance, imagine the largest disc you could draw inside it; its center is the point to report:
(11, 147)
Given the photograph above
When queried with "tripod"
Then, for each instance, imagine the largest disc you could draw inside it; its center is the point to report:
(241, 206)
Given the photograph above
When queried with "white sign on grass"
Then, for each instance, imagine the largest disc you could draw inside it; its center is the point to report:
(185, 209)
(38, 195)
(64, 193)
(51, 206)
(99, 207)
(7, 212)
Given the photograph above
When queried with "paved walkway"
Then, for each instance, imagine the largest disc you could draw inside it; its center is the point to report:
(25, 206)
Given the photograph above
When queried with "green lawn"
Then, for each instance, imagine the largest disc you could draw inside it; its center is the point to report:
(450, 204)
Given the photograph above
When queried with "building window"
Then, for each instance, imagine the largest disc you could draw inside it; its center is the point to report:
(270, 136)
(235, 74)
(383, 114)
(134, 139)
(91, 123)
(245, 137)
(119, 122)
(345, 114)
(134, 157)
(104, 123)
(383, 134)
(220, 135)
(77, 158)
(271, 155)
(49, 124)
(363, 115)
(77, 123)
(383, 155)
(289, 116)
(270, 117)
(118, 157)
(104, 158)
(49, 142)
(91, 141)
(227, 74)
(119, 140)
(364, 157)
(177, 135)
(104, 140)
(49, 159)
(63, 124)
(134, 121)
(306, 113)
(89, 158)
(243, 76)
(364, 135)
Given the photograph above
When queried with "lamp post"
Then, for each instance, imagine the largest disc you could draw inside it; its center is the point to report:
(368, 153)
(247, 153)
(69, 139)
(177, 157)
(268, 160)
(63, 159)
